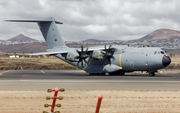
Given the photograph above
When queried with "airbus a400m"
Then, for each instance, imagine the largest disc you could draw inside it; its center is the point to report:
(111, 59)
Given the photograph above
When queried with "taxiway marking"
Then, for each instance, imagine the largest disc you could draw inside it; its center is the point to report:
(42, 71)
(3, 72)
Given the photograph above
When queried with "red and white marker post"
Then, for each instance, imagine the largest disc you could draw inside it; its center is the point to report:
(100, 96)
(54, 99)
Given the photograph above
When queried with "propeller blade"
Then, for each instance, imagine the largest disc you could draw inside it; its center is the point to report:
(106, 60)
(113, 57)
(105, 46)
(85, 61)
(109, 61)
(81, 48)
(110, 46)
(82, 56)
(86, 50)
(86, 56)
(82, 64)
(103, 53)
(78, 52)
(77, 64)
(77, 57)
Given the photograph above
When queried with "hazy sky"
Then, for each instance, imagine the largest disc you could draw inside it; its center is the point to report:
(95, 19)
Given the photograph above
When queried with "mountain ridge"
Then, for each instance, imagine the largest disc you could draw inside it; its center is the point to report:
(162, 37)
(157, 34)
(162, 34)
(21, 37)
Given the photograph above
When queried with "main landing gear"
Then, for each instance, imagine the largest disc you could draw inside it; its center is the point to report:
(151, 74)
(112, 73)
(117, 73)
(97, 73)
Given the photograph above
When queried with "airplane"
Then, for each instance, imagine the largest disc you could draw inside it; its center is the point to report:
(111, 59)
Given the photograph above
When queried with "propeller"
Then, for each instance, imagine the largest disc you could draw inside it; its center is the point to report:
(108, 54)
(82, 56)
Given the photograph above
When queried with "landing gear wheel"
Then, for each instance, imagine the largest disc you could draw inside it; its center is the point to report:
(121, 73)
(97, 73)
(117, 73)
(151, 74)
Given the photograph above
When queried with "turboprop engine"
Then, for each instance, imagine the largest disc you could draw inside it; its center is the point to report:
(104, 54)
(97, 54)
(72, 56)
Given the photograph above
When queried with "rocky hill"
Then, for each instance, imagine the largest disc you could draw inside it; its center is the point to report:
(27, 48)
(93, 40)
(162, 34)
(21, 37)
(22, 43)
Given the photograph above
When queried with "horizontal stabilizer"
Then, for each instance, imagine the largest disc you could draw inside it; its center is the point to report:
(44, 21)
(47, 53)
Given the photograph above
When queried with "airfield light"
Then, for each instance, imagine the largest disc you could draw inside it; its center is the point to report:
(46, 105)
(49, 90)
(62, 90)
(57, 112)
(48, 98)
(60, 98)
(58, 105)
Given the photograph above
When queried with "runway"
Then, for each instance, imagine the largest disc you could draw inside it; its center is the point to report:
(77, 79)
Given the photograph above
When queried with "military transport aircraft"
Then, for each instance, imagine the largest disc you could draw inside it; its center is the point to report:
(115, 60)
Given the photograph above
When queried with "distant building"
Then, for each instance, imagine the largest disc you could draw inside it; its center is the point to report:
(13, 56)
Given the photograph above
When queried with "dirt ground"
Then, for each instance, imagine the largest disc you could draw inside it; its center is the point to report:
(84, 101)
(33, 64)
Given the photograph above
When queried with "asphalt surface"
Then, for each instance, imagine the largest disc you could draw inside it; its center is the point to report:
(77, 79)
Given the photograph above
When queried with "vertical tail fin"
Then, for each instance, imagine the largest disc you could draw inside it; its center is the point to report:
(49, 30)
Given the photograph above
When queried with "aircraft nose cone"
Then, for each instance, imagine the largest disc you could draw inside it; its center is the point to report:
(166, 60)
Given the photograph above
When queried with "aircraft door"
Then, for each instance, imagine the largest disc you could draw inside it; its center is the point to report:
(131, 65)
(150, 64)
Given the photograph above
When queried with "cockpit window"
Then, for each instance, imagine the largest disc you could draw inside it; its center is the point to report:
(162, 52)
(159, 52)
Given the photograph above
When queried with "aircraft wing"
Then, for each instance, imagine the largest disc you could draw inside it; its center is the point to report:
(48, 53)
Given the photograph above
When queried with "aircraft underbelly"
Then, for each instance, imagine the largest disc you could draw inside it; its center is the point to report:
(94, 69)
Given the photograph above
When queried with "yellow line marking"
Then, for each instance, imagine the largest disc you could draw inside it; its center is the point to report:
(120, 61)
(3, 72)
(99, 55)
(42, 71)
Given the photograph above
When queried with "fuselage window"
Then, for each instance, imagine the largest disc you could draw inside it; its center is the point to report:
(155, 52)
(158, 52)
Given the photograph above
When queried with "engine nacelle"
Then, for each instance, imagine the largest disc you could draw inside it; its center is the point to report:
(97, 55)
(71, 56)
